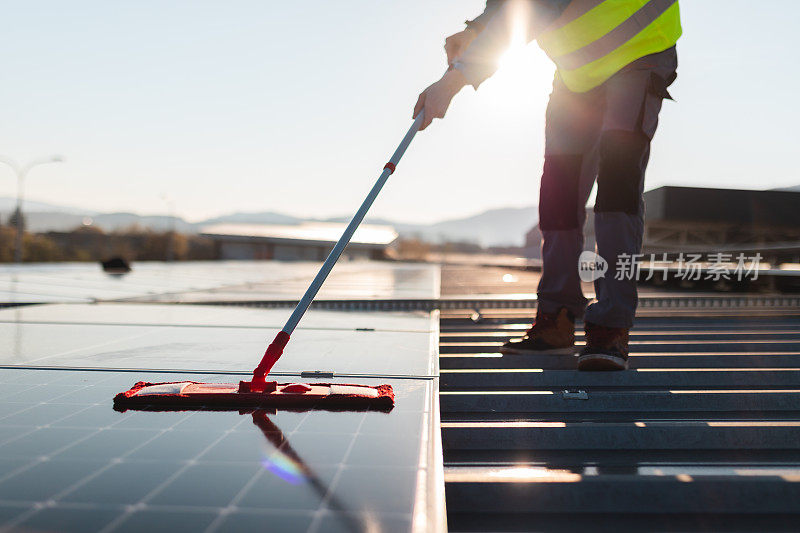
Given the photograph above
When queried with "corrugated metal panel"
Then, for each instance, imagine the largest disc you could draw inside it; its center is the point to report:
(703, 434)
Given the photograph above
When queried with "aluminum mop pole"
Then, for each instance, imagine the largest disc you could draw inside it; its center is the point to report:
(275, 349)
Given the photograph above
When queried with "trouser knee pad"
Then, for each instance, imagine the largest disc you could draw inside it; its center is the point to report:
(623, 157)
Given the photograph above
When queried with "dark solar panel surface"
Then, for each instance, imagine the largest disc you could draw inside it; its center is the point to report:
(68, 462)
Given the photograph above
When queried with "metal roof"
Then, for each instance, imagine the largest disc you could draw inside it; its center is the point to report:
(701, 434)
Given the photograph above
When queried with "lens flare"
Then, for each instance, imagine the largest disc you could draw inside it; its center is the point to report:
(284, 467)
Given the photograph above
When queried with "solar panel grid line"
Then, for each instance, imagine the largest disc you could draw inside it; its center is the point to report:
(92, 346)
(212, 371)
(214, 525)
(144, 500)
(23, 435)
(89, 477)
(32, 406)
(316, 521)
(85, 479)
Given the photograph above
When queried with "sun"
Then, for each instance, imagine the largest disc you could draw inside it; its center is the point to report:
(523, 69)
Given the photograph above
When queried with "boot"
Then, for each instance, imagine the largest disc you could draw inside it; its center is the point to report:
(550, 334)
(606, 348)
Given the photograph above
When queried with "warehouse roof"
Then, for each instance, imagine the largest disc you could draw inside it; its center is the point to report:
(318, 232)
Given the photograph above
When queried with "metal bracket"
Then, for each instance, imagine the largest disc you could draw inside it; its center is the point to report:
(575, 395)
(316, 374)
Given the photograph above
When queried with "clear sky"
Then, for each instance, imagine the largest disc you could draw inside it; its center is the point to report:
(295, 106)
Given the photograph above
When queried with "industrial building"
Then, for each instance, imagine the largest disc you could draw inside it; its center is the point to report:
(697, 219)
(307, 241)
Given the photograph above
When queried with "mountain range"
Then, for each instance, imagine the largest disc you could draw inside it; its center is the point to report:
(495, 227)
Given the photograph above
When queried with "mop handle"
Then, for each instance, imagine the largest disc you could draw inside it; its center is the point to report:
(344, 240)
(275, 349)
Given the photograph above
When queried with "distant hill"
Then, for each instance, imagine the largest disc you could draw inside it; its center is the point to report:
(8, 205)
(495, 227)
(266, 217)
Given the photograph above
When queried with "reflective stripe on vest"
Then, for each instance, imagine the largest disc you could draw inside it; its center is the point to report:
(594, 39)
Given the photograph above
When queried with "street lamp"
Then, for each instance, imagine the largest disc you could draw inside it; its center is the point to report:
(21, 171)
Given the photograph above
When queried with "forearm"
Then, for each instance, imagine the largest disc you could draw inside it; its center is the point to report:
(479, 23)
(479, 61)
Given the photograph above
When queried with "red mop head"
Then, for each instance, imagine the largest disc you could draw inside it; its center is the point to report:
(191, 394)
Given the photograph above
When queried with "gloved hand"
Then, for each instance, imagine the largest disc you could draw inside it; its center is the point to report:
(436, 98)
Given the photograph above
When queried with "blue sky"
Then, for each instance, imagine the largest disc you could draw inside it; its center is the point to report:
(295, 106)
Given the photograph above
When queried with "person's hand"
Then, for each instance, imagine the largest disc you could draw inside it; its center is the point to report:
(455, 45)
(436, 99)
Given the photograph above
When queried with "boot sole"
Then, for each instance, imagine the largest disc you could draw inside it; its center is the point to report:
(600, 362)
(570, 350)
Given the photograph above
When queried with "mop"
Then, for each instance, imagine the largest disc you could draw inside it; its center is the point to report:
(260, 392)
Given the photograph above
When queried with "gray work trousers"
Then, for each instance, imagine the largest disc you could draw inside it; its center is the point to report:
(603, 135)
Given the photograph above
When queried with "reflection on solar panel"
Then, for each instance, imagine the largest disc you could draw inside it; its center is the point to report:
(209, 281)
(106, 336)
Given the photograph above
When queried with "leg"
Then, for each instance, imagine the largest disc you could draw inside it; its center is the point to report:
(571, 137)
(633, 102)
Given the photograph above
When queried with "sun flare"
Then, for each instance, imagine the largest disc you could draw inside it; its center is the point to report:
(522, 68)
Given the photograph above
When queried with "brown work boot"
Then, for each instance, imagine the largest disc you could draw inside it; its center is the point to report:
(550, 334)
(606, 348)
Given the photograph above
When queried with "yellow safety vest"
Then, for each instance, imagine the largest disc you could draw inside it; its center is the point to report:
(594, 39)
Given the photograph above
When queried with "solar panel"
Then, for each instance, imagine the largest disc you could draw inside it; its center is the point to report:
(68, 462)
(213, 281)
(107, 336)
(71, 463)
